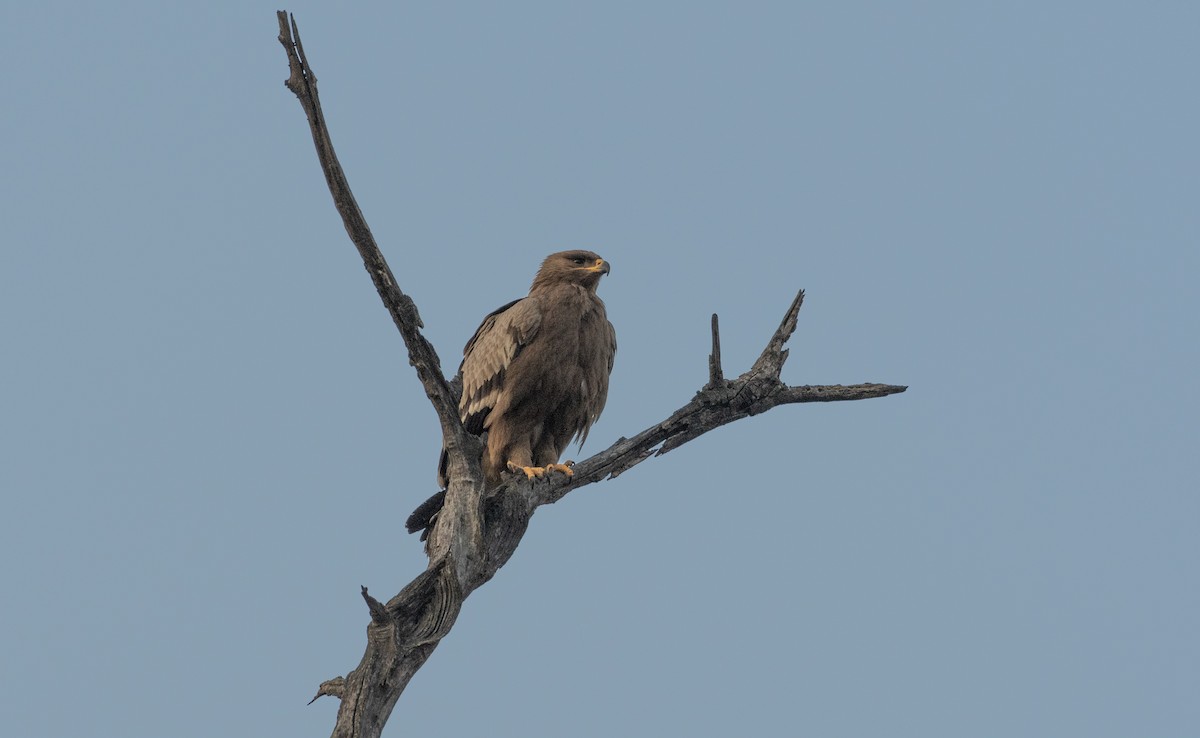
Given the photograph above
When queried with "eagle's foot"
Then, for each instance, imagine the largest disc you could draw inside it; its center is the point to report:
(564, 467)
(538, 472)
(530, 472)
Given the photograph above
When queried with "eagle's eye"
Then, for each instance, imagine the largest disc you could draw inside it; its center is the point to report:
(579, 260)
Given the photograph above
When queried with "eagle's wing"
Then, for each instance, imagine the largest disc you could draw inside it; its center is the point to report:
(500, 338)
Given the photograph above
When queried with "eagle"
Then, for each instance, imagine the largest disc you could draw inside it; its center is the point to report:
(535, 375)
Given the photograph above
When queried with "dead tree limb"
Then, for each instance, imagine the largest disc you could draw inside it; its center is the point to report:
(477, 531)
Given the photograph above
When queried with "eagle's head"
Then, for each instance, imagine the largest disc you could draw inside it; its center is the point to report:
(572, 267)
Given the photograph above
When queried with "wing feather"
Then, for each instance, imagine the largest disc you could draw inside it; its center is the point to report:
(499, 339)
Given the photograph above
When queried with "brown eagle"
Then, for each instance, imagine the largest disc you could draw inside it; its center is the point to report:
(535, 374)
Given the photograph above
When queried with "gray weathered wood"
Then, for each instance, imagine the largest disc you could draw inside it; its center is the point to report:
(477, 532)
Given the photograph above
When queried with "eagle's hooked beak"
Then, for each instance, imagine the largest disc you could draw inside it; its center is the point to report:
(600, 266)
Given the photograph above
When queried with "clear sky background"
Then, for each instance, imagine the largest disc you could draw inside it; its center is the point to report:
(211, 436)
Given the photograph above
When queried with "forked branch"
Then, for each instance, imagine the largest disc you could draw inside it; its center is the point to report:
(477, 532)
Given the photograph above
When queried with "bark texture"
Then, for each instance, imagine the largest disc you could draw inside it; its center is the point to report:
(478, 530)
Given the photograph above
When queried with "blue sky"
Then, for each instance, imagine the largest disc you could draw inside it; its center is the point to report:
(211, 435)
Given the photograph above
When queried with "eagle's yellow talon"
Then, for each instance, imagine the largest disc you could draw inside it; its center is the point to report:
(530, 472)
(538, 472)
(565, 468)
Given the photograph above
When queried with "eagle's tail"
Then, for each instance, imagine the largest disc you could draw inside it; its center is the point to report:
(423, 517)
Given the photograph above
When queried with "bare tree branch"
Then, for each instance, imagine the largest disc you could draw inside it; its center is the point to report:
(476, 532)
(709, 409)
(773, 356)
(716, 375)
(332, 687)
(303, 82)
